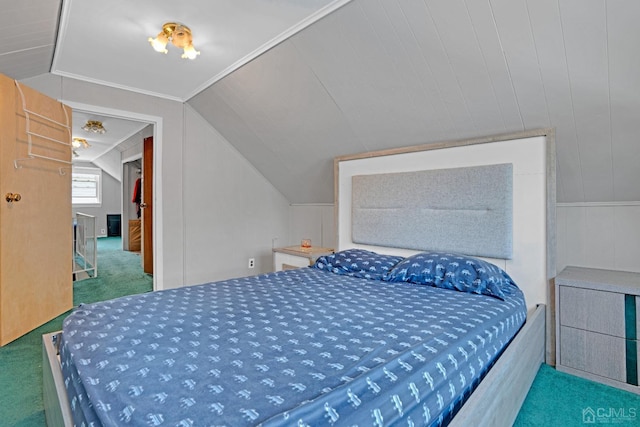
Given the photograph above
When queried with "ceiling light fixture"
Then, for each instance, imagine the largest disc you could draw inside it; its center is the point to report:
(94, 126)
(179, 35)
(80, 142)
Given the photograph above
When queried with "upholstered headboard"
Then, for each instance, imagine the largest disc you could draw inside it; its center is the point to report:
(466, 210)
(531, 157)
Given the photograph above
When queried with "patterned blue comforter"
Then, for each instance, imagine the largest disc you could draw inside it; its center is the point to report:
(302, 347)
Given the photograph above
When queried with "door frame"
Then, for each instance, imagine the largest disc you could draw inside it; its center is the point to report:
(156, 121)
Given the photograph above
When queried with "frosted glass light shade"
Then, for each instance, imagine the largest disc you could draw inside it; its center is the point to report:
(190, 52)
(159, 44)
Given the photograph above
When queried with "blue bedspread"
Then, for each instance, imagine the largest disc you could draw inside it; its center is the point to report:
(303, 347)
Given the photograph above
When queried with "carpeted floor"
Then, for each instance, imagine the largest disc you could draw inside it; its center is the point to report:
(555, 399)
(119, 274)
(559, 399)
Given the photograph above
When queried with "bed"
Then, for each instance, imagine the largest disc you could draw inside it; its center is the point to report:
(339, 343)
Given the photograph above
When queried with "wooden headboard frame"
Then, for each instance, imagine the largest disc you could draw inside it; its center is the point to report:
(532, 154)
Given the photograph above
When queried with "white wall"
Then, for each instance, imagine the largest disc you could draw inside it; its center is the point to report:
(209, 201)
(109, 162)
(599, 236)
(231, 211)
(135, 151)
(312, 221)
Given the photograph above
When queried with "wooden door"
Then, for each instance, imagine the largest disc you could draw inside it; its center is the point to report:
(35, 231)
(147, 205)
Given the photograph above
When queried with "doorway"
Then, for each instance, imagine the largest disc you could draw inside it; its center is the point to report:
(127, 165)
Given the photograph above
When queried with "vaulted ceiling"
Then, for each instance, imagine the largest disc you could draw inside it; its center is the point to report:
(381, 74)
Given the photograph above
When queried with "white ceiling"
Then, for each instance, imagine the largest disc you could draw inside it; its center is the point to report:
(29, 30)
(371, 75)
(106, 42)
(117, 132)
(382, 74)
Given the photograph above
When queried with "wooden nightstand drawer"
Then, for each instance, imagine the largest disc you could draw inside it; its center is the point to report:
(599, 354)
(598, 325)
(591, 310)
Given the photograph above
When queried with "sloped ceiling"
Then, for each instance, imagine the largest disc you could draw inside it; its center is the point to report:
(383, 74)
(28, 36)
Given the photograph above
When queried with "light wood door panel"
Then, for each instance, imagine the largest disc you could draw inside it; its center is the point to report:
(35, 232)
(591, 309)
(592, 352)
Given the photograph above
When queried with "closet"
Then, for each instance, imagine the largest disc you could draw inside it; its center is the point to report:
(135, 226)
(35, 209)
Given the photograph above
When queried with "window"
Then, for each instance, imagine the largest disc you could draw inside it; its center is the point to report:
(86, 186)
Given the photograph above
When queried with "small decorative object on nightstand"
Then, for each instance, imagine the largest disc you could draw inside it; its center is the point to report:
(297, 256)
(597, 325)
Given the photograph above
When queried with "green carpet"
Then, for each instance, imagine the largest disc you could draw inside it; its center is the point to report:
(119, 274)
(559, 399)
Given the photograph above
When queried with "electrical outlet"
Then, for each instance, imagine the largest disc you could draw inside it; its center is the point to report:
(252, 262)
(103, 231)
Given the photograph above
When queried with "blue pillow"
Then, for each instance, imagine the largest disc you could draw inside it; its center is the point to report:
(452, 271)
(358, 263)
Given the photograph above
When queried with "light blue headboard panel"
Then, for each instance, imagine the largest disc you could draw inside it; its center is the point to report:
(467, 210)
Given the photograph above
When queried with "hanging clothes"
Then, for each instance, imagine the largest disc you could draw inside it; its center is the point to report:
(137, 196)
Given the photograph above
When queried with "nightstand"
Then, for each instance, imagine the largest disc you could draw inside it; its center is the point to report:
(296, 256)
(597, 325)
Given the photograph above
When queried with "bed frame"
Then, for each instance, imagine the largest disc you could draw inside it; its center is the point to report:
(57, 409)
(495, 403)
(498, 398)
